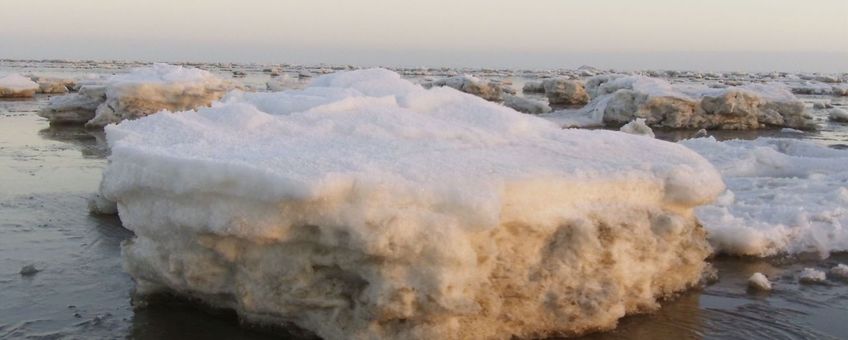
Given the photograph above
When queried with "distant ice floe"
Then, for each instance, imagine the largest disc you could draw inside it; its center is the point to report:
(141, 92)
(365, 206)
(50, 85)
(783, 196)
(17, 86)
(487, 90)
(618, 99)
(559, 91)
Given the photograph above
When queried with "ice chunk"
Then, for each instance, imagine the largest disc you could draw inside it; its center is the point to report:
(53, 85)
(758, 281)
(74, 108)
(29, 270)
(17, 86)
(812, 276)
(562, 91)
(141, 92)
(148, 90)
(638, 127)
(838, 115)
(525, 105)
(470, 84)
(620, 99)
(533, 87)
(840, 272)
(365, 206)
(784, 196)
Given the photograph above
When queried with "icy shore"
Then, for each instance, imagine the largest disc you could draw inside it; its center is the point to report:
(141, 92)
(365, 206)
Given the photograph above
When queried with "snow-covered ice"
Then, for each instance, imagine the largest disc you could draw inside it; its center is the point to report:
(758, 281)
(365, 206)
(618, 99)
(783, 196)
(17, 86)
(141, 92)
(812, 276)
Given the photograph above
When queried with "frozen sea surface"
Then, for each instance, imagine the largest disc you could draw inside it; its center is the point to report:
(81, 291)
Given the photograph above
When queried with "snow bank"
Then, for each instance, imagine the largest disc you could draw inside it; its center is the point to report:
(619, 99)
(17, 86)
(783, 196)
(365, 206)
(141, 92)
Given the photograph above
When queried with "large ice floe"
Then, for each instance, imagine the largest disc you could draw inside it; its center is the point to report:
(618, 99)
(141, 92)
(17, 86)
(365, 206)
(784, 196)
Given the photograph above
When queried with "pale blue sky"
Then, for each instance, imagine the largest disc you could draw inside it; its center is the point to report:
(790, 35)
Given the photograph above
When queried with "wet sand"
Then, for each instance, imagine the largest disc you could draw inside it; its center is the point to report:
(81, 290)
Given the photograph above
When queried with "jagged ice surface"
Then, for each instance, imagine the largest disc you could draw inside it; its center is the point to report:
(784, 196)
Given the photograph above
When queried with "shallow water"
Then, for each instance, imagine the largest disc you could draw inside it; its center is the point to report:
(81, 290)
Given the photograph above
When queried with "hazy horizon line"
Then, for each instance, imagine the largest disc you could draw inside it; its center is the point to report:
(709, 61)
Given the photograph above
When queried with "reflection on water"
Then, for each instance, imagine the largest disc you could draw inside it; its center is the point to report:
(92, 143)
(81, 290)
